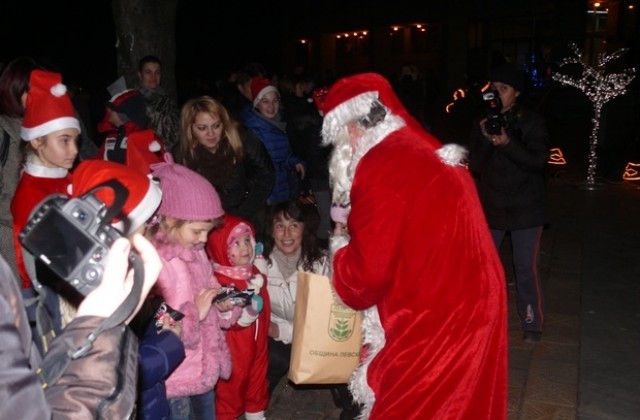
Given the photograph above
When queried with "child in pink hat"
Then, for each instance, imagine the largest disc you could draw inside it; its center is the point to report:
(189, 210)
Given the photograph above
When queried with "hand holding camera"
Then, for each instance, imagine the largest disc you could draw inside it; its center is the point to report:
(117, 279)
(235, 296)
(495, 120)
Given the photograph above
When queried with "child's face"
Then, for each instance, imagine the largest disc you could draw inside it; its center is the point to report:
(191, 234)
(241, 251)
(115, 119)
(58, 149)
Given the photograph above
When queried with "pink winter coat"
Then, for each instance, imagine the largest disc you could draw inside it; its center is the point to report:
(184, 274)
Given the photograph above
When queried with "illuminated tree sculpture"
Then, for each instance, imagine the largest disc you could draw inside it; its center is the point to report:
(599, 87)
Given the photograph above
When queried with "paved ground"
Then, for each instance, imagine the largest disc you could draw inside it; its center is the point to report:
(587, 365)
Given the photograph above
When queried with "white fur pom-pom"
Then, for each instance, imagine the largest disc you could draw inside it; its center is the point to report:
(154, 146)
(452, 154)
(58, 90)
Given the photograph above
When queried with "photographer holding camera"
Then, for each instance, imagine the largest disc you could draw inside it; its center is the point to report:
(508, 153)
(90, 386)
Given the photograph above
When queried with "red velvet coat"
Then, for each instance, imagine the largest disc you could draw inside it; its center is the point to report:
(33, 188)
(421, 251)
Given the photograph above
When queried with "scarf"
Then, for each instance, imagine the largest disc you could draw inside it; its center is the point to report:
(287, 265)
(216, 167)
(239, 272)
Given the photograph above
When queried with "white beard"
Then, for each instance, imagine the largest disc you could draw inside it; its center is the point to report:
(344, 160)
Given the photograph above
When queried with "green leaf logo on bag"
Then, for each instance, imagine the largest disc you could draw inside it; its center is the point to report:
(341, 322)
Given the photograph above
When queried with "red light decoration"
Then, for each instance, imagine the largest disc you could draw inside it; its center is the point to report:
(631, 172)
(556, 157)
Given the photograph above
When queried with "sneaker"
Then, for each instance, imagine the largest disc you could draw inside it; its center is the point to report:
(532, 336)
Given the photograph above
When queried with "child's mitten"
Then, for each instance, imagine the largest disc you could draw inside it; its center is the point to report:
(250, 312)
(339, 213)
(260, 262)
(256, 282)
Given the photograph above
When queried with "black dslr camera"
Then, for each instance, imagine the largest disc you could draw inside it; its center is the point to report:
(496, 120)
(73, 236)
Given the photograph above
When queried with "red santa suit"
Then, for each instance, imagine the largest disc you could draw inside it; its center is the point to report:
(36, 183)
(247, 390)
(419, 259)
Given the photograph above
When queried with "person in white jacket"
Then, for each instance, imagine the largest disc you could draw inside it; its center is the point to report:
(291, 247)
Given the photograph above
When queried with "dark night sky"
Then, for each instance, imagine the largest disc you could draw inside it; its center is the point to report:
(77, 36)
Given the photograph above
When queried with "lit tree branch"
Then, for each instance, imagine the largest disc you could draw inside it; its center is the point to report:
(599, 87)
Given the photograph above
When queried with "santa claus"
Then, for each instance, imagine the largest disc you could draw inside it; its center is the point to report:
(412, 249)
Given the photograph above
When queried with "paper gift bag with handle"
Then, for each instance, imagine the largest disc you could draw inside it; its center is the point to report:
(326, 334)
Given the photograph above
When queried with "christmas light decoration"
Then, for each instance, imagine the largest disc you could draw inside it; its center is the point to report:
(599, 87)
(556, 157)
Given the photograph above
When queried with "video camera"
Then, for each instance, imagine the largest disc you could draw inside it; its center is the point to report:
(73, 236)
(496, 120)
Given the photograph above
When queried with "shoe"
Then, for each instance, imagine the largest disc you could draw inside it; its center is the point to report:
(532, 336)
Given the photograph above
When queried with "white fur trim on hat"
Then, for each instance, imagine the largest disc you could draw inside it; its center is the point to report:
(263, 92)
(143, 211)
(29, 134)
(348, 111)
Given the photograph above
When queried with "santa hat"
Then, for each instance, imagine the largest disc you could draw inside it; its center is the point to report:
(144, 194)
(260, 86)
(319, 95)
(130, 104)
(350, 99)
(187, 195)
(48, 106)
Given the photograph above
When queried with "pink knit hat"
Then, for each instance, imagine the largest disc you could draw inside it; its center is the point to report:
(186, 195)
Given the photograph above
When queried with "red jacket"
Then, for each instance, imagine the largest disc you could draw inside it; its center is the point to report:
(247, 390)
(36, 183)
(421, 251)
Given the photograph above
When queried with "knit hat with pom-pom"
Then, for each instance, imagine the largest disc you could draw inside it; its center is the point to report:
(186, 195)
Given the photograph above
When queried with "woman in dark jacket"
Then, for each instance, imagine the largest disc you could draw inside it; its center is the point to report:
(231, 158)
(508, 158)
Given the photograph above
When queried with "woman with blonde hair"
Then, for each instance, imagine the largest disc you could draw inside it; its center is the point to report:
(232, 159)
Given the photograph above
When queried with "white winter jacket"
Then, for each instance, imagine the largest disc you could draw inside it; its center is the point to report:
(282, 293)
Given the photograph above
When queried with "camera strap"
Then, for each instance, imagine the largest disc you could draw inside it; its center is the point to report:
(54, 367)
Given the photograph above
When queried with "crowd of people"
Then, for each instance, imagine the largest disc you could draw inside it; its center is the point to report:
(233, 196)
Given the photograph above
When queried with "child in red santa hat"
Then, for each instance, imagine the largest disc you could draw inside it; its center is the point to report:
(127, 138)
(51, 128)
(232, 249)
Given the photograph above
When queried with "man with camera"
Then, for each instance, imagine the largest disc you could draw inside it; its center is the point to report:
(508, 153)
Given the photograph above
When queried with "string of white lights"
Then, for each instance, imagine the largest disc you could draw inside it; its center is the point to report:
(599, 87)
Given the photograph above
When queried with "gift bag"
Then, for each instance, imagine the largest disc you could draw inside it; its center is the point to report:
(326, 334)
